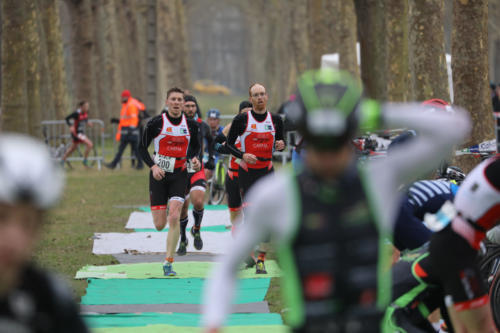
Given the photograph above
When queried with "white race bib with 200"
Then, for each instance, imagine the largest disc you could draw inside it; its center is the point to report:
(166, 163)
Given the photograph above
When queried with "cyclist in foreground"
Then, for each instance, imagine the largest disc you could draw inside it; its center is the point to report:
(77, 128)
(197, 183)
(446, 274)
(459, 230)
(329, 221)
(31, 299)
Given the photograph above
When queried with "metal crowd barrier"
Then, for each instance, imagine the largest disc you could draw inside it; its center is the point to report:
(57, 136)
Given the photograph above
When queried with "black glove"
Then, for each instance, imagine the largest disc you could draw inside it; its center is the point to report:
(217, 147)
(210, 165)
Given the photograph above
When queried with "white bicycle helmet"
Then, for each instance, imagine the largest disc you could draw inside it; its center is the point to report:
(27, 173)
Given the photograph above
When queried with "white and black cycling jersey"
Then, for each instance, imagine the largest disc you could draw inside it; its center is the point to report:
(273, 210)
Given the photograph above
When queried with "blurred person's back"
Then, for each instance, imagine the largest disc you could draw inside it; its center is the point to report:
(31, 300)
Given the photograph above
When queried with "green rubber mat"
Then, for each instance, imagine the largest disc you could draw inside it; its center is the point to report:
(184, 329)
(160, 291)
(177, 319)
(207, 207)
(187, 269)
(213, 228)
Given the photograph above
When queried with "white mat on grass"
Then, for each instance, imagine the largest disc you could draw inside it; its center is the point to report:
(150, 242)
(144, 220)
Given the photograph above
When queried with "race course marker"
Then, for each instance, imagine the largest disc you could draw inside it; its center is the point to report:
(187, 269)
(163, 291)
(155, 242)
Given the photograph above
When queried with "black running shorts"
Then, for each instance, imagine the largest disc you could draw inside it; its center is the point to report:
(453, 262)
(172, 187)
(233, 193)
(196, 180)
(250, 176)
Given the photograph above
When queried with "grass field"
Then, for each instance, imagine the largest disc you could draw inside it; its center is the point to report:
(227, 105)
(87, 207)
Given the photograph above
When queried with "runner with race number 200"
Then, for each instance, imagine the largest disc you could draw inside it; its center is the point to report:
(175, 141)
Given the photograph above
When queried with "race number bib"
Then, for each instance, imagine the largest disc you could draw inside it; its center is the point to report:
(166, 163)
(190, 168)
(438, 221)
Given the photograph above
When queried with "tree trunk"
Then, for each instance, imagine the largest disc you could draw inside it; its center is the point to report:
(14, 98)
(172, 52)
(81, 15)
(316, 31)
(32, 52)
(348, 57)
(429, 78)
(1, 20)
(496, 76)
(469, 43)
(371, 27)
(323, 33)
(397, 50)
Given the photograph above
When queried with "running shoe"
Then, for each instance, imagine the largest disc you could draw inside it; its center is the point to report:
(168, 270)
(182, 248)
(86, 164)
(198, 242)
(260, 268)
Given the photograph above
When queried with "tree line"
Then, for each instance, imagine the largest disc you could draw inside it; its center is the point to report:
(58, 52)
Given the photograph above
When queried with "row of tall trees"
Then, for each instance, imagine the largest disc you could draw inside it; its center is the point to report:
(58, 52)
(55, 53)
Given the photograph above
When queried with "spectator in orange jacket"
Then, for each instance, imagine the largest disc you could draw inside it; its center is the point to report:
(128, 128)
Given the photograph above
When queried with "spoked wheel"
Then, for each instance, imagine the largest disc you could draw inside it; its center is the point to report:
(217, 188)
(495, 300)
(489, 263)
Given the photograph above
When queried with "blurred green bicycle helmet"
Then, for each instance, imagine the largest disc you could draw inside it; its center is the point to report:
(324, 110)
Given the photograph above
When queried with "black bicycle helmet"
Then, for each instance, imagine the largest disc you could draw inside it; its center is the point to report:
(324, 108)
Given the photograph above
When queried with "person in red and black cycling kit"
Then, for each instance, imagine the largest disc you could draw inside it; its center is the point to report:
(232, 182)
(260, 133)
(176, 142)
(197, 183)
(80, 118)
(453, 249)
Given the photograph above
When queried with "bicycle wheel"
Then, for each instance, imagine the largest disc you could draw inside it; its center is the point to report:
(217, 190)
(495, 300)
(489, 263)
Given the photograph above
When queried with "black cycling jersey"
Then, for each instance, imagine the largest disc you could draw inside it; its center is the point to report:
(41, 303)
(204, 135)
(153, 129)
(414, 294)
(239, 126)
(334, 252)
(79, 120)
